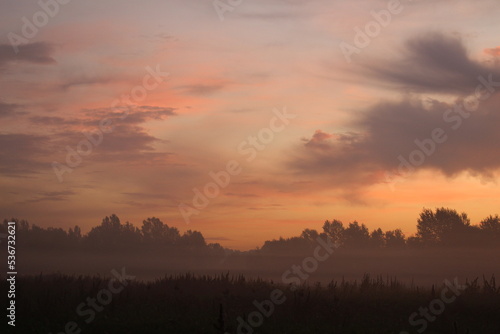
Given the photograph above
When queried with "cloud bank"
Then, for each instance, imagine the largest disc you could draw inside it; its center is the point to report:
(388, 130)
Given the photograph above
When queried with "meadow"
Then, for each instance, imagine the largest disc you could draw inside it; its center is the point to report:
(218, 303)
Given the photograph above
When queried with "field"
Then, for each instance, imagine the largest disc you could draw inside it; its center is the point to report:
(220, 303)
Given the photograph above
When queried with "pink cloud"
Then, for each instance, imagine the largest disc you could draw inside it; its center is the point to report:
(495, 52)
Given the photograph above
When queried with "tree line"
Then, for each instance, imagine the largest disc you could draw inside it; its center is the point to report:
(441, 227)
(112, 235)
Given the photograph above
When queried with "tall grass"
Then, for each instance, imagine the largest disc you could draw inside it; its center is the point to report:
(190, 303)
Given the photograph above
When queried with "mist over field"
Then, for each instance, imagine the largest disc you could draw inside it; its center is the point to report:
(420, 267)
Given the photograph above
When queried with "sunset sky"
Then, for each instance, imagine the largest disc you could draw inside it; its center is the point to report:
(101, 67)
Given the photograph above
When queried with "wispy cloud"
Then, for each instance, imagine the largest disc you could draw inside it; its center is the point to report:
(51, 196)
(10, 110)
(432, 63)
(22, 154)
(37, 53)
(203, 89)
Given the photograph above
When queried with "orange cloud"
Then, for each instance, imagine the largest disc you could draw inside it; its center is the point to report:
(495, 52)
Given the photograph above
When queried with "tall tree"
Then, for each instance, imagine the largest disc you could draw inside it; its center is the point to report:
(114, 235)
(309, 235)
(334, 230)
(490, 229)
(491, 224)
(356, 235)
(377, 239)
(155, 232)
(444, 226)
(395, 239)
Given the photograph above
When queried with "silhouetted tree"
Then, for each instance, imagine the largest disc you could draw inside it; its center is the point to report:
(377, 239)
(215, 249)
(3, 226)
(310, 235)
(414, 242)
(491, 224)
(395, 239)
(130, 235)
(444, 226)
(356, 236)
(490, 229)
(334, 230)
(22, 225)
(75, 235)
(50, 238)
(193, 239)
(113, 235)
(155, 232)
(288, 246)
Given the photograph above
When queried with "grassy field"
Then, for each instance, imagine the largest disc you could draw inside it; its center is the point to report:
(213, 304)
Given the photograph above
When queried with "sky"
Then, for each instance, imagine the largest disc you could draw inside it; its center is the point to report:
(248, 120)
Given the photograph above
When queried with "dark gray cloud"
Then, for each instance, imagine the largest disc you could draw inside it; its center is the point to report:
(129, 141)
(432, 62)
(37, 53)
(246, 195)
(53, 121)
(203, 89)
(51, 196)
(120, 116)
(130, 144)
(9, 110)
(86, 80)
(22, 154)
(129, 114)
(389, 130)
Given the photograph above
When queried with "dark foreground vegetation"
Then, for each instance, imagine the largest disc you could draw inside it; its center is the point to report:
(213, 304)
